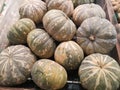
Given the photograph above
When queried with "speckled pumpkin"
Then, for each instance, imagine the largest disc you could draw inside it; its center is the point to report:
(58, 25)
(69, 54)
(85, 11)
(19, 31)
(79, 2)
(41, 43)
(96, 35)
(65, 5)
(15, 65)
(49, 75)
(99, 72)
(33, 9)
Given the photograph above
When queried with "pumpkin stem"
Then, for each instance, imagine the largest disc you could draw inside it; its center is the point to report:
(92, 37)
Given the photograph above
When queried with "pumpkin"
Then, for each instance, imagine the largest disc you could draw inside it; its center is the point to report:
(33, 9)
(85, 11)
(58, 25)
(99, 72)
(79, 2)
(49, 75)
(65, 5)
(69, 54)
(96, 35)
(18, 32)
(40, 43)
(15, 65)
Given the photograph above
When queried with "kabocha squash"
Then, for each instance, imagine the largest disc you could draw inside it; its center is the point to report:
(15, 65)
(18, 32)
(65, 5)
(33, 9)
(48, 74)
(69, 54)
(41, 43)
(58, 25)
(79, 2)
(99, 72)
(85, 11)
(96, 35)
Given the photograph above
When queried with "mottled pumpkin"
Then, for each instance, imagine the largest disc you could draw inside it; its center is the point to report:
(58, 25)
(15, 65)
(79, 2)
(41, 43)
(85, 11)
(99, 72)
(19, 31)
(69, 54)
(65, 5)
(49, 75)
(96, 35)
(33, 9)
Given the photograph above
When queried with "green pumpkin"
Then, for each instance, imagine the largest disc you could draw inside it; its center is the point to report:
(19, 31)
(79, 2)
(41, 43)
(64, 5)
(96, 35)
(99, 72)
(33, 9)
(49, 75)
(69, 54)
(85, 11)
(58, 25)
(15, 65)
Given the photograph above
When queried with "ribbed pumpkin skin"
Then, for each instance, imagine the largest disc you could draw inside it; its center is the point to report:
(69, 54)
(49, 75)
(96, 37)
(15, 65)
(19, 31)
(79, 2)
(99, 72)
(58, 25)
(85, 11)
(65, 5)
(41, 43)
(33, 9)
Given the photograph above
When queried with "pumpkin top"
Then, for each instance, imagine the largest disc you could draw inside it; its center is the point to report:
(85, 11)
(96, 37)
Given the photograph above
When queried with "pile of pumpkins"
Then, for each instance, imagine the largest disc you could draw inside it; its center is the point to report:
(55, 36)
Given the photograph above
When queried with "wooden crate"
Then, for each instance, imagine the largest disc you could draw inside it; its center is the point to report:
(73, 83)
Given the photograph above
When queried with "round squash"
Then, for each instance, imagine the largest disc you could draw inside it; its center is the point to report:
(85, 11)
(33, 9)
(79, 2)
(41, 43)
(15, 65)
(96, 35)
(49, 75)
(99, 72)
(65, 5)
(19, 31)
(69, 54)
(58, 25)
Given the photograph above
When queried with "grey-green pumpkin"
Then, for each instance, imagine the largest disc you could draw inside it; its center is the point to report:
(41, 43)
(15, 65)
(19, 31)
(49, 75)
(69, 54)
(58, 25)
(96, 35)
(99, 72)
